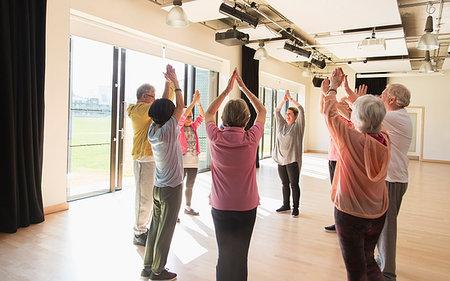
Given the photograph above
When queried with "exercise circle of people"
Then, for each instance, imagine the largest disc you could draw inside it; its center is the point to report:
(368, 166)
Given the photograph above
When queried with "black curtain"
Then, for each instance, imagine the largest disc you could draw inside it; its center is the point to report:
(22, 68)
(374, 85)
(250, 76)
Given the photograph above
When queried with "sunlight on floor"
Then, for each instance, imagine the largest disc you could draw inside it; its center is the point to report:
(185, 247)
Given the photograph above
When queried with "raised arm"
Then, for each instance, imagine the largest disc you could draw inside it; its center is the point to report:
(280, 106)
(200, 108)
(179, 104)
(214, 106)
(291, 99)
(325, 86)
(195, 99)
(257, 104)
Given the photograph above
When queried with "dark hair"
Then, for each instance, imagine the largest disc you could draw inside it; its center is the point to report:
(161, 110)
(294, 110)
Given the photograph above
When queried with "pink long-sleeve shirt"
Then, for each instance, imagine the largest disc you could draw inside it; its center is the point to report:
(182, 138)
(359, 187)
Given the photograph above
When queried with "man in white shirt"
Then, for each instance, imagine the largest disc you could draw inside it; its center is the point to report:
(399, 127)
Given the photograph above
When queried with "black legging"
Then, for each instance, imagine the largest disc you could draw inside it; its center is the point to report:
(289, 175)
(233, 234)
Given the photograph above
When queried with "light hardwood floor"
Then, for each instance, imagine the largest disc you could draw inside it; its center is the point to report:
(93, 239)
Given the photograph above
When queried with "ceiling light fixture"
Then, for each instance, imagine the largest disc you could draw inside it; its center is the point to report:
(428, 41)
(372, 43)
(426, 66)
(176, 16)
(320, 63)
(307, 71)
(238, 15)
(297, 50)
(261, 53)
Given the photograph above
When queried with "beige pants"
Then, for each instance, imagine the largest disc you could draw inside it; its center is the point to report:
(144, 175)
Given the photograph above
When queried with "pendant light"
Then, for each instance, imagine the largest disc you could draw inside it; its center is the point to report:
(176, 16)
(261, 53)
(426, 66)
(428, 41)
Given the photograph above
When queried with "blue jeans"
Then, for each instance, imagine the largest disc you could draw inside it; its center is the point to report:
(233, 233)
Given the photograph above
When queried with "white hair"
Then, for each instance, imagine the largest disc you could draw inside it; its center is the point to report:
(401, 94)
(368, 113)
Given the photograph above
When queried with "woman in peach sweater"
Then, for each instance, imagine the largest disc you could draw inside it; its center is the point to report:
(359, 190)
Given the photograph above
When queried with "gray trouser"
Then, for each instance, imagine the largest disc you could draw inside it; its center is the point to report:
(190, 174)
(387, 243)
(144, 176)
(166, 205)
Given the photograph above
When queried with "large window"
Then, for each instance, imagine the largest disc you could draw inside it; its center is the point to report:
(271, 99)
(103, 83)
(89, 117)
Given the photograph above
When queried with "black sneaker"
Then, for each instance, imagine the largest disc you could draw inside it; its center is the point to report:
(164, 275)
(146, 273)
(330, 228)
(295, 212)
(140, 239)
(191, 212)
(283, 209)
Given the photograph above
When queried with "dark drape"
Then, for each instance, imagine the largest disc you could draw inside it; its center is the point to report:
(250, 76)
(22, 67)
(374, 85)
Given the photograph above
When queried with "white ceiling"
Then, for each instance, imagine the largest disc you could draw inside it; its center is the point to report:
(201, 10)
(345, 46)
(446, 65)
(322, 20)
(382, 66)
(320, 16)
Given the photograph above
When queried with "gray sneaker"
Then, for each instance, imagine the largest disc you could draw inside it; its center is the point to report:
(330, 228)
(140, 239)
(164, 275)
(191, 212)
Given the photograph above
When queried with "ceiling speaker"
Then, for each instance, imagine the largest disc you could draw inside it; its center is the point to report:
(317, 82)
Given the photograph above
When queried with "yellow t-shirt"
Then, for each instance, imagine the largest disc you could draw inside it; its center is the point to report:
(140, 121)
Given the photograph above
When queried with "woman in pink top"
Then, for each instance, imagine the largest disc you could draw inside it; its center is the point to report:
(358, 190)
(189, 147)
(234, 193)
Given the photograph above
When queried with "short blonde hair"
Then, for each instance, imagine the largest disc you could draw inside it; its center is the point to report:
(401, 94)
(368, 113)
(236, 113)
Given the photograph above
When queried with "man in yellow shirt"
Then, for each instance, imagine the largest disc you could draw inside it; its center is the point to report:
(144, 164)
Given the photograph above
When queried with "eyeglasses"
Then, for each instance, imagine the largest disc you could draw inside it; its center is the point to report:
(188, 117)
(150, 96)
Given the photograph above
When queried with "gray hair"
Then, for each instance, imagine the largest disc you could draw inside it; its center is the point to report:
(368, 113)
(401, 94)
(143, 89)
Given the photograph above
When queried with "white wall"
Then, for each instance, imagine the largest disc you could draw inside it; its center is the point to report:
(318, 137)
(133, 18)
(433, 93)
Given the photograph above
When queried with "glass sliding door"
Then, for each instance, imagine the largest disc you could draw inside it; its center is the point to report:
(206, 82)
(90, 117)
(140, 69)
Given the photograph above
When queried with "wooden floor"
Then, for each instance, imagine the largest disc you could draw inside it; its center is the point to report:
(93, 239)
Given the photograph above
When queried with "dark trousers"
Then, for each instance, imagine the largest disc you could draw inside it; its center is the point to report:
(332, 169)
(357, 238)
(289, 175)
(166, 204)
(190, 174)
(233, 233)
